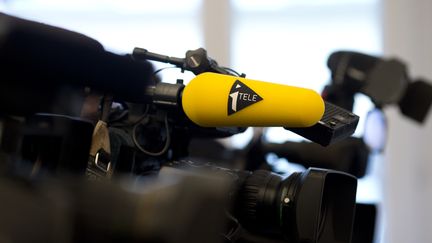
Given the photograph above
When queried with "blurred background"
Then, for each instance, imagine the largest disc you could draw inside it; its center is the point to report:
(286, 41)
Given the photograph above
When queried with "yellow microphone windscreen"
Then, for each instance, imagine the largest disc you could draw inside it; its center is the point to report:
(215, 100)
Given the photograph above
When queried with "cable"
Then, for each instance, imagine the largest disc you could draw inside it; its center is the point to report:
(138, 121)
(167, 141)
(232, 72)
(164, 68)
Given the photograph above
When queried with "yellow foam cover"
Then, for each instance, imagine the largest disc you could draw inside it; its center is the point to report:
(205, 102)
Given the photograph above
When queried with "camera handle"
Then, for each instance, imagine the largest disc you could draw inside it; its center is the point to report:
(197, 61)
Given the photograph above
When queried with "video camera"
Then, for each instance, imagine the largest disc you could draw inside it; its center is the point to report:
(385, 81)
(119, 120)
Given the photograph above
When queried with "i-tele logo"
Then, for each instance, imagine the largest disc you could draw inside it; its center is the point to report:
(240, 97)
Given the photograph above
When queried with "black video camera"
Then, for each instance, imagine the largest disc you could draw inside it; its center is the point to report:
(131, 123)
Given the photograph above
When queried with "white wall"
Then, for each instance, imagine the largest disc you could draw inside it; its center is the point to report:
(407, 30)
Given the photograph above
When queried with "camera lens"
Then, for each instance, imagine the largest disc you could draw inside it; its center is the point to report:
(316, 205)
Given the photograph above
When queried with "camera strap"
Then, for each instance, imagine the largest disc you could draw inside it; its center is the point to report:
(99, 164)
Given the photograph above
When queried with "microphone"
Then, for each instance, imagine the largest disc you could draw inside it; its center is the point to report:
(215, 100)
(218, 100)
